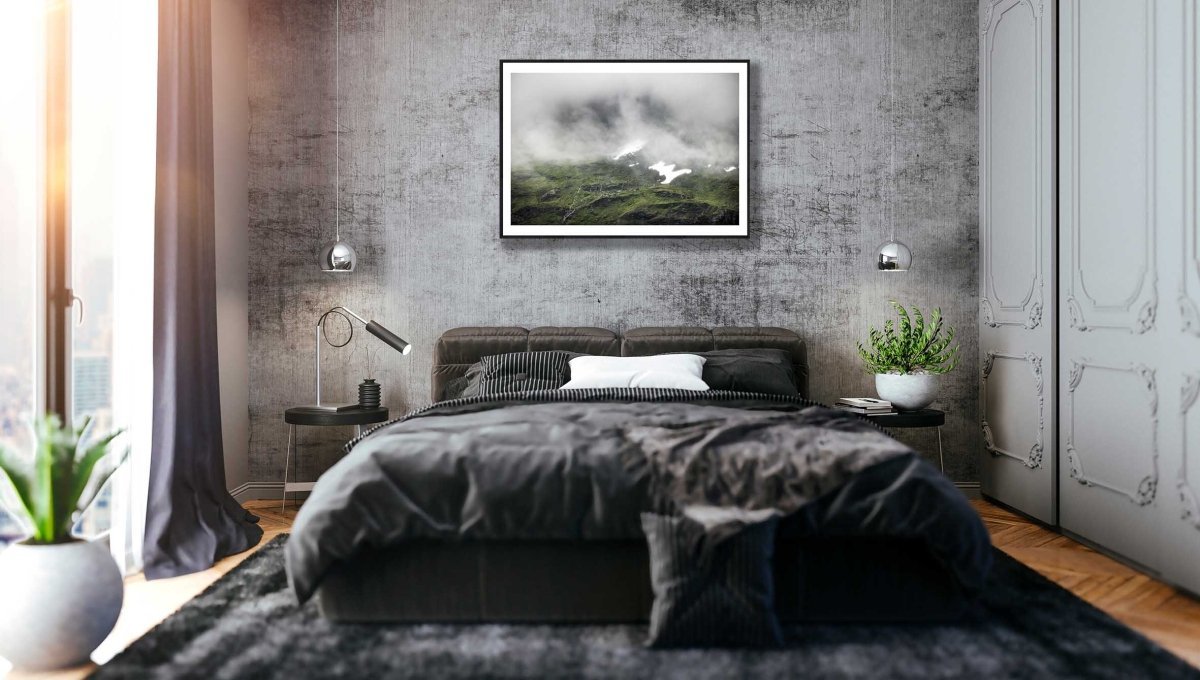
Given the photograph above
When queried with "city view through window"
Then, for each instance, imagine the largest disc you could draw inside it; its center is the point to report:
(95, 202)
(91, 365)
(20, 227)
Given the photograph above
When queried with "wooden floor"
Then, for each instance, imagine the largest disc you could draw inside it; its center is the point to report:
(1160, 612)
(1166, 615)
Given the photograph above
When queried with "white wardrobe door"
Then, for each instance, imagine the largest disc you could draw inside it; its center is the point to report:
(1124, 350)
(1177, 133)
(1016, 241)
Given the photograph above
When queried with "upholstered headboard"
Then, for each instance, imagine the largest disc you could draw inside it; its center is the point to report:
(458, 348)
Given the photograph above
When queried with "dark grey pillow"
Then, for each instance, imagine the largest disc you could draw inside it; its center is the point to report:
(763, 370)
(523, 372)
(709, 593)
(465, 385)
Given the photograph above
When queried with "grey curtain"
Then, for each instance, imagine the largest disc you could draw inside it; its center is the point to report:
(191, 520)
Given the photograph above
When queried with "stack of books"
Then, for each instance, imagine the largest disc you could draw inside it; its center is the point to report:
(867, 406)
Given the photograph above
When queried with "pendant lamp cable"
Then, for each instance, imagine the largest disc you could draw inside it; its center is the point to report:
(337, 121)
(892, 115)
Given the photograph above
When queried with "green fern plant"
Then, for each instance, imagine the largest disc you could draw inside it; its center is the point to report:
(916, 344)
(62, 480)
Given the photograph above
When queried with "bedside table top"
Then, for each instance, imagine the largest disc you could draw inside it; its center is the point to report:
(926, 417)
(307, 415)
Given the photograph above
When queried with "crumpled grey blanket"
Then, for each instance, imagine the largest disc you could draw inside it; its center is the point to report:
(583, 464)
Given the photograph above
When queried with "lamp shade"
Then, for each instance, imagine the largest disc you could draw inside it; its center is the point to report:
(338, 256)
(394, 341)
(894, 256)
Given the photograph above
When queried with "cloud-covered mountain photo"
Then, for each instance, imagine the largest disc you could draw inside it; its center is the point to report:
(624, 148)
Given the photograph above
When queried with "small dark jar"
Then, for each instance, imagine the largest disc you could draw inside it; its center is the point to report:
(368, 394)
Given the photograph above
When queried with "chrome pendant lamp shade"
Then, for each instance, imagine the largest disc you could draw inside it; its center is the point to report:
(894, 256)
(337, 255)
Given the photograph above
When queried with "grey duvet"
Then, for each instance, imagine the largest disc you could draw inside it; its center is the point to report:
(583, 464)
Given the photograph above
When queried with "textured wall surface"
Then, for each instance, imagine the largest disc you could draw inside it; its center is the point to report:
(419, 188)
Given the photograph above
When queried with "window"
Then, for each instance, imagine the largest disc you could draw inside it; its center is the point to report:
(21, 204)
(77, 150)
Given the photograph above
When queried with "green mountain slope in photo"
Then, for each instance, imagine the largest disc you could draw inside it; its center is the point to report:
(611, 192)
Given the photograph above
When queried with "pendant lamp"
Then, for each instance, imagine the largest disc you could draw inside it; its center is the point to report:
(892, 255)
(337, 255)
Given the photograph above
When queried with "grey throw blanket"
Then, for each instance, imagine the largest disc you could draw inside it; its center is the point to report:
(583, 464)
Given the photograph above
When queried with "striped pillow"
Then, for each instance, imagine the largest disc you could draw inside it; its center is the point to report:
(711, 595)
(524, 371)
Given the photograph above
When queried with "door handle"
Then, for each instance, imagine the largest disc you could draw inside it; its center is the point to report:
(75, 298)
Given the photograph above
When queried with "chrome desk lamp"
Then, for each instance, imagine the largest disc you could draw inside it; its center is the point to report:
(374, 328)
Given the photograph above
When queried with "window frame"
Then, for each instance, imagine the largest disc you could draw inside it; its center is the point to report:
(54, 393)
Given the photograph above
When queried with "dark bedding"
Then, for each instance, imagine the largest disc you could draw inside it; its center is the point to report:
(583, 464)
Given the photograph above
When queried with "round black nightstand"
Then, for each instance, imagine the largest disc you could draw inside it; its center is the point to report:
(308, 415)
(316, 417)
(926, 417)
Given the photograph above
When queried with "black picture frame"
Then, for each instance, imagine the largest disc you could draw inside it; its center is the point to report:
(509, 67)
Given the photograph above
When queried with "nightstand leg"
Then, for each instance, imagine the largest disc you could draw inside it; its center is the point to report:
(287, 457)
(941, 461)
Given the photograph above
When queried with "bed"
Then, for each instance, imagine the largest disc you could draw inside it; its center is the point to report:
(408, 528)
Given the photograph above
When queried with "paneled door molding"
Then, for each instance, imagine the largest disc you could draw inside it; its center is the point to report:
(1032, 459)
(989, 21)
(1187, 494)
(1189, 284)
(1137, 309)
(1129, 282)
(1179, 23)
(1017, 253)
(1142, 492)
(1020, 299)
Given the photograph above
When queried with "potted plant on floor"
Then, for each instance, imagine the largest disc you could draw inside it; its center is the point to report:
(60, 595)
(907, 359)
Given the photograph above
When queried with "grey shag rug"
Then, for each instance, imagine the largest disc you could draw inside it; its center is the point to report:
(247, 625)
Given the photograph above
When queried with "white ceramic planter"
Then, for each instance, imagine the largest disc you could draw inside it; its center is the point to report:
(59, 602)
(907, 391)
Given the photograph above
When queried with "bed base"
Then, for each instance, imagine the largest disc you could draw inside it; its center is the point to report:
(817, 579)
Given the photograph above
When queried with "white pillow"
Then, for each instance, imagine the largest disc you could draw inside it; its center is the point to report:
(678, 371)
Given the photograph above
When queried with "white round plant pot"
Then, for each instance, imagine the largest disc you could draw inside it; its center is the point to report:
(59, 601)
(907, 391)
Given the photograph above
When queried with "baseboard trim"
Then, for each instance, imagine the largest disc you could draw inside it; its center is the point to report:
(263, 491)
(970, 490)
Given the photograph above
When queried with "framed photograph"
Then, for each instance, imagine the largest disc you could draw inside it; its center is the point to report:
(623, 148)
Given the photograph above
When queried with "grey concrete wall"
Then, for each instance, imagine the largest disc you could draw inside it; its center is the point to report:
(420, 188)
